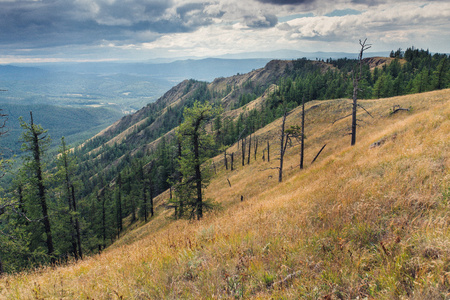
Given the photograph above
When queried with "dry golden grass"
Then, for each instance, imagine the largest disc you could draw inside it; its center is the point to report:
(360, 222)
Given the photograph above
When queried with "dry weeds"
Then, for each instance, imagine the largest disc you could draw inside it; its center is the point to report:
(361, 222)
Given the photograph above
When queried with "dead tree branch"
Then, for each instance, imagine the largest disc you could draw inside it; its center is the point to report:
(397, 108)
(318, 154)
(365, 110)
(349, 115)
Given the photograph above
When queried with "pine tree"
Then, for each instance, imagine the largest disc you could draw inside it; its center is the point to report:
(196, 146)
(66, 169)
(440, 79)
(36, 141)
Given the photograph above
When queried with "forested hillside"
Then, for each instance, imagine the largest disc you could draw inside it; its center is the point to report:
(74, 123)
(108, 184)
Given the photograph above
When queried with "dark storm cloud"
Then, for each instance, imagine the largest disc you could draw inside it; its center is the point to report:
(47, 23)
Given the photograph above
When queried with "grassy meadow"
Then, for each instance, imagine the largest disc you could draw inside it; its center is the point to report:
(362, 222)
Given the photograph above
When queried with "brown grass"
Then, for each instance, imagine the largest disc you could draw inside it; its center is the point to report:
(360, 222)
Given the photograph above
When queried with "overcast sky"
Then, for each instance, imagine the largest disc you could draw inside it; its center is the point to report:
(85, 30)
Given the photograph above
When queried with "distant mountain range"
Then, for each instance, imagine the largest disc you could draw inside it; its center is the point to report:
(176, 70)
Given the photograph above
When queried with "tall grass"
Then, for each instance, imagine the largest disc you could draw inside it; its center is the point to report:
(360, 222)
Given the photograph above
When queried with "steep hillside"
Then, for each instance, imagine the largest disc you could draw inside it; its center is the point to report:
(227, 91)
(368, 221)
(145, 126)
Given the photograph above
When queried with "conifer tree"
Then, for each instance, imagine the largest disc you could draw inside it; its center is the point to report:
(36, 141)
(196, 146)
(66, 168)
(440, 75)
(119, 204)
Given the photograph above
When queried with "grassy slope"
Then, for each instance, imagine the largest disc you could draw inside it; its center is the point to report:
(361, 221)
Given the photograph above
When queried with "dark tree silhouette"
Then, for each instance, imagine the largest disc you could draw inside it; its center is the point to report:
(357, 76)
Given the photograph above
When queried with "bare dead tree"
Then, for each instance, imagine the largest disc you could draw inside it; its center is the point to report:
(256, 146)
(225, 159)
(214, 167)
(285, 138)
(356, 79)
(396, 108)
(249, 148)
(232, 162)
(231, 155)
(268, 151)
(243, 151)
(302, 137)
(150, 189)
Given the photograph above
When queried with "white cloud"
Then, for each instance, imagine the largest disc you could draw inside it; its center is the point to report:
(388, 23)
(215, 27)
(386, 26)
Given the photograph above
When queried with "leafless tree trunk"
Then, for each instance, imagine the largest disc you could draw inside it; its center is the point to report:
(268, 151)
(256, 146)
(243, 151)
(225, 159)
(302, 150)
(249, 149)
(232, 162)
(356, 79)
(150, 188)
(145, 201)
(283, 145)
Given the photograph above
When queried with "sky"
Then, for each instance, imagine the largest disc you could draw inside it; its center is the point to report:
(39, 31)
